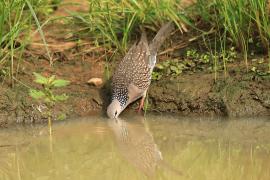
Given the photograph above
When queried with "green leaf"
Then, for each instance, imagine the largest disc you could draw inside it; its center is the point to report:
(166, 63)
(261, 61)
(181, 66)
(169, 71)
(156, 76)
(173, 68)
(179, 71)
(60, 83)
(253, 69)
(40, 79)
(61, 116)
(36, 94)
(48, 100)
(262, 73)
(159, 66)
(61, 97)
(51, 79)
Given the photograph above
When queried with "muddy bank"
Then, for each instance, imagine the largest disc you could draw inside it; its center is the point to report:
(188, 94)
(17, 107)
(199, 94)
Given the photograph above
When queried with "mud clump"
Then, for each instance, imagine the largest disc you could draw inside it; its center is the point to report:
(15, 108)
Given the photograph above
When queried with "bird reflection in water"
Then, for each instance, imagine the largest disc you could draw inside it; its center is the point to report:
(137, 145)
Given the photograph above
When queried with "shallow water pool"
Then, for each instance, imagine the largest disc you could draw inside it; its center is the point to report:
(137, 147)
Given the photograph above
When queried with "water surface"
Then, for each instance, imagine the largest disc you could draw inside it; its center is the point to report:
(137, 147)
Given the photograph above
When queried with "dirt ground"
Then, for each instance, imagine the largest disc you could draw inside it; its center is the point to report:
(197, 93)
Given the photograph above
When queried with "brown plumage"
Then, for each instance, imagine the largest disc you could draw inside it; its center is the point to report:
(133, 74)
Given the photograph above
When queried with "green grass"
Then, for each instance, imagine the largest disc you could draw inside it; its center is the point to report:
(114, 24)
(16, 20)
(243, 23)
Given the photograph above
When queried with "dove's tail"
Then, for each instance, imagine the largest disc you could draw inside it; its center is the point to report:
(162, 34)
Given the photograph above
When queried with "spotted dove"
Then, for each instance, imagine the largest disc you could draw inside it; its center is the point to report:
(133, 74)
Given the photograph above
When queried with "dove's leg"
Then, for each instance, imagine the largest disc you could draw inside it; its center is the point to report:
(141, 105)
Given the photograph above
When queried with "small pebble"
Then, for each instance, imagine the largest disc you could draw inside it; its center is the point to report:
(95, 81)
